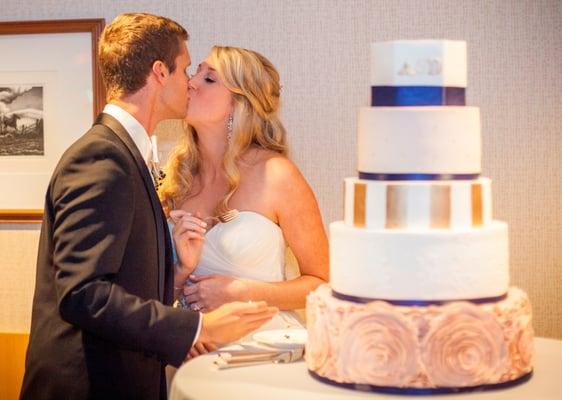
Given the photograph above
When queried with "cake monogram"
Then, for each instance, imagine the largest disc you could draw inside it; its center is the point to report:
(429, 66)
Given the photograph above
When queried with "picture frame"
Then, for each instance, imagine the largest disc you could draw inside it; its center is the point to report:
(51, 69)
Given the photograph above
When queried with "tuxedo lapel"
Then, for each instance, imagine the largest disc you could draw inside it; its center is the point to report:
(162, 238)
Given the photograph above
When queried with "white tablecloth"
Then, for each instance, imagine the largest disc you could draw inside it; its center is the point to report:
(199, 379)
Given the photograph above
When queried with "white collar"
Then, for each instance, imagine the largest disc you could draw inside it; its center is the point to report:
(146, 144)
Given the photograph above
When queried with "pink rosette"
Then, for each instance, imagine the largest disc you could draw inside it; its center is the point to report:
(378, 346)
(318, 346)
(522, 348)
(525, 350)
(464, 347)
(525, 338)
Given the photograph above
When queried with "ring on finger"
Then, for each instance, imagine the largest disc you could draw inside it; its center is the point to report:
(195, 307)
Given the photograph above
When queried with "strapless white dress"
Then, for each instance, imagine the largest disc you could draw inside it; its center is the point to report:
(250, 246)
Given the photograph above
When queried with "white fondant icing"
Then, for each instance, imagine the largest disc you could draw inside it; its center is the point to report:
(419, 140)
(418, 63)
(418, 198)
(461, 208)
(375, 212)
(487, 201)
(348, 203)
(419, 265)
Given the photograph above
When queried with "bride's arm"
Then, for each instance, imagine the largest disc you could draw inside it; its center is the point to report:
(299, 217)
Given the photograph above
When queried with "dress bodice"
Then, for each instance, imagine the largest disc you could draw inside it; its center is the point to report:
(249, 246)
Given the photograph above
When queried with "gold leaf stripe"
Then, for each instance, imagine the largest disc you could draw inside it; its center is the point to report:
(396, 207)
(359, 199)
(440, 206)
(476, 191)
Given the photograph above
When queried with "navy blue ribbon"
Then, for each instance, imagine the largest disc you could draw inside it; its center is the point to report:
(373, 176)
(417, 96)
(414, 303)
(422, 391)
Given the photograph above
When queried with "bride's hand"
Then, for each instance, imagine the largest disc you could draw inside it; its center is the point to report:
(189, 236)
(211, 291)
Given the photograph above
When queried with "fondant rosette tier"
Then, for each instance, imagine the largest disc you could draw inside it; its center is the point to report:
(451, 346)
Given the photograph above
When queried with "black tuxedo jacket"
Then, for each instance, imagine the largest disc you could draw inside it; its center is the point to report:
(102, 325)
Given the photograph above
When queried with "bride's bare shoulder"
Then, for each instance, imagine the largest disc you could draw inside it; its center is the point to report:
(275, 167)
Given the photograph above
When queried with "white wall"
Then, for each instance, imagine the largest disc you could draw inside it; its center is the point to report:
(321, 50)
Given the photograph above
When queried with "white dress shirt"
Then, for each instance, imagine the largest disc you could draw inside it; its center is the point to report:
(146, 147)
(134, 128)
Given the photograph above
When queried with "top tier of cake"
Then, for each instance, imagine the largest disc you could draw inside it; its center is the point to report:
(418, 72)
(418, 126)
(418, 63)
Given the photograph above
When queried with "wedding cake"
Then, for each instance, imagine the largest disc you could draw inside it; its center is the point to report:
(419, 298)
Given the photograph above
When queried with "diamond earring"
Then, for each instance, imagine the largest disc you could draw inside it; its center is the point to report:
(229, 123)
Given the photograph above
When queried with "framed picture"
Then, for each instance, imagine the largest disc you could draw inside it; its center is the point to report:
(50, 92)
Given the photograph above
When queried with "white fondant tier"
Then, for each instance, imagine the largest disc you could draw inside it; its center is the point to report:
(459, 344)
(418, 63)
(417, 204)
(419, 265)
(428, 140)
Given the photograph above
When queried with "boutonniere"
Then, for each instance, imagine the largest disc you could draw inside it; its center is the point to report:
(158, 175)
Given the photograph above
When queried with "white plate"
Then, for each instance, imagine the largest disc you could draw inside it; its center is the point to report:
(282, 338)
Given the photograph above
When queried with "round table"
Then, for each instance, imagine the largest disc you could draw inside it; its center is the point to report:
(200, 379)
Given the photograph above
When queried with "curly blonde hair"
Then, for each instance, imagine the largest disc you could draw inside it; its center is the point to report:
(254, 83)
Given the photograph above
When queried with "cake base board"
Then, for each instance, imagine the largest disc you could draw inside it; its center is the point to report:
(422, 391)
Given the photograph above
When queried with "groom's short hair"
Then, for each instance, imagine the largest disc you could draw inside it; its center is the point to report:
(131, 44)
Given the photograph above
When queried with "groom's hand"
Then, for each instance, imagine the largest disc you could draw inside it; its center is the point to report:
(233, 321)
(199, 349)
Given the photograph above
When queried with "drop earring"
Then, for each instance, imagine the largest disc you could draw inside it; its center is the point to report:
(229, 123)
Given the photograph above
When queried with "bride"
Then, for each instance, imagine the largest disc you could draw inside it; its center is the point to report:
(231, 189)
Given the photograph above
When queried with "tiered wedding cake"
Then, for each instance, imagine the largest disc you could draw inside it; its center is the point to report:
(419, 298)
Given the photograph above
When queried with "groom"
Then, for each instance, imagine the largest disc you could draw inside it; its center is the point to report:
(102, 325)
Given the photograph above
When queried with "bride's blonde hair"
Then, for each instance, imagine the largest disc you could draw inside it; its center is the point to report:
(254, 83)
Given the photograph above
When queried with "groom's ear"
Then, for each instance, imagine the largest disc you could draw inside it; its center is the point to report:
(160, 71)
